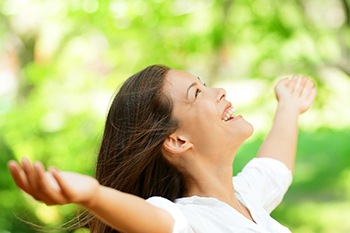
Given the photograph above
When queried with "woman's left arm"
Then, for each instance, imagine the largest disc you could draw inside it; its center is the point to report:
(295, 96)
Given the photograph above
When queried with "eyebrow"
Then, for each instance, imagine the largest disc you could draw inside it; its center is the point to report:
(188, 89)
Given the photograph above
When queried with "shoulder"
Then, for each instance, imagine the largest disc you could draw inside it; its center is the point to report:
(265, 180)
(261, 168)
(180, 223)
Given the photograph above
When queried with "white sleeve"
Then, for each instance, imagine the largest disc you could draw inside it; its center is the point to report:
(180, 223)
(267, 179)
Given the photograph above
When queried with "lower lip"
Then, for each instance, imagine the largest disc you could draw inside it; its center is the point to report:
(235, 118)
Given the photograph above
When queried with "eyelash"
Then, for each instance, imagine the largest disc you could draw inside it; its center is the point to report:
(199, 90)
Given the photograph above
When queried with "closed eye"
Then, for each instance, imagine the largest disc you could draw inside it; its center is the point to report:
(197, 92)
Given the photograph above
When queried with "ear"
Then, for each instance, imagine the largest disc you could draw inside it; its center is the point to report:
(176, 144)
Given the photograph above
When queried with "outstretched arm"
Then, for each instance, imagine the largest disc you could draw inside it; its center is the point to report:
(295, 95)
(121, 211)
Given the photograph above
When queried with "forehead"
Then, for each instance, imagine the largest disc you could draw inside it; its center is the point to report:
(180, 75)
(178, 81)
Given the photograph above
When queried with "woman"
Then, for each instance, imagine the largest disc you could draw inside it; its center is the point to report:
(165, 162)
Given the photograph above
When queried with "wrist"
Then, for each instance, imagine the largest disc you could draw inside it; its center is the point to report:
(94, 195)
(287, 108)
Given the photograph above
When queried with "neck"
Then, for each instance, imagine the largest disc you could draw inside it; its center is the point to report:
(208, 178)
(211, 176)
(209, 182)
(215, 182)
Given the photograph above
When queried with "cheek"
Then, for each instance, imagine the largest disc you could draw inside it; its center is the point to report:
(207, 132)
(200, 124)
(198, 128)
(205, 121)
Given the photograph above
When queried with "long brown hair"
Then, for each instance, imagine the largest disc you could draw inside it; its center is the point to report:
(130, 157)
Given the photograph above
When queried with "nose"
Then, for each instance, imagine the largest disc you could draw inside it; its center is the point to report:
(221, 94)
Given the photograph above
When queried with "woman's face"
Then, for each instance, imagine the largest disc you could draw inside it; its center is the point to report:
(205, 117)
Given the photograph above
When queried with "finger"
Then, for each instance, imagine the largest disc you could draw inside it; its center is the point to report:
(281, 85)
(293, 83)
(56, 174)
(284, 82)
(65, 189)
(301, 85)
(310, 85)
(30, 174)
(19, 176)
(42, 183)
(311, 97)
(49, 189)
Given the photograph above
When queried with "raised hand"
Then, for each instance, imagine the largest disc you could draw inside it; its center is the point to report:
(53, 187)
(298, 91)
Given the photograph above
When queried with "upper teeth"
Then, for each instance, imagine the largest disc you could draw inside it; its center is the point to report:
(229, 113)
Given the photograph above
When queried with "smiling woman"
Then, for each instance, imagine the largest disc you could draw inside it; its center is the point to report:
(200, 112)
(165, 161)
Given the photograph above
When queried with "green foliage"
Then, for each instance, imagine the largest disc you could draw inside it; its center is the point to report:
(61, 61)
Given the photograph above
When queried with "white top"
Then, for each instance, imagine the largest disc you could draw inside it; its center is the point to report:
(260, 187)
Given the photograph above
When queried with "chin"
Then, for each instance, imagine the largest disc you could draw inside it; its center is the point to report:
(243, 134)
(251, 131)
(248, 130)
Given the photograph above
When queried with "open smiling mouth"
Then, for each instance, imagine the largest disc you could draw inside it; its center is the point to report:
(228, 114)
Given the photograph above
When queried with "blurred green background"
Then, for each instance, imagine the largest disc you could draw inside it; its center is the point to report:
(62, 60)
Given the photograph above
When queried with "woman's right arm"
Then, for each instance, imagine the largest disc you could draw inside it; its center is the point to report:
(122, 211)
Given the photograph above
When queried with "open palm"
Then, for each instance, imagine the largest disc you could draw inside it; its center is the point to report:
(298, 91)
(53, 187)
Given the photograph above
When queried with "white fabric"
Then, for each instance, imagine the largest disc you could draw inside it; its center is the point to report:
(260, 187)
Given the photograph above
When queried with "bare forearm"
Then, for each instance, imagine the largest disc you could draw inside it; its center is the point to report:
(281, 141)
(128, 213)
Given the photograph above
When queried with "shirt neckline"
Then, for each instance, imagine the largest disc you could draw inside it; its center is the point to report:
(216, 202)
